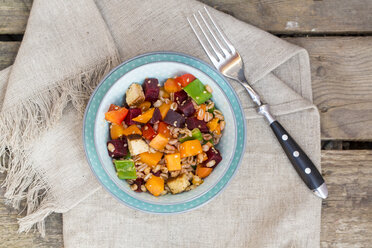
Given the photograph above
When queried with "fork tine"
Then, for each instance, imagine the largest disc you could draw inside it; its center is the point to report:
(225, 52)
(206, 49)
(225, 39)
(219, 55)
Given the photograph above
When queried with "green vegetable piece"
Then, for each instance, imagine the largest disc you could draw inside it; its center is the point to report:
(211, 110)
(125, 169)
(206, 141)
(196, 135)
(196, 90)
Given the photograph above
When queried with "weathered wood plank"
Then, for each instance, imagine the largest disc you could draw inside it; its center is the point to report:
(279, 16)
(342, 84)
(14, 15)
(293, 16)
(347, 213)
(8, 52)
(8, 229)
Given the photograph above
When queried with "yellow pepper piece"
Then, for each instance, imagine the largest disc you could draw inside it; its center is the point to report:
(213, 124)
(145, 117)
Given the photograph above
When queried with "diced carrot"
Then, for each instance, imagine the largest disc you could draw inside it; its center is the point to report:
(151, 159)
(116, 131)
(148, 132)
(202, 171)
(212, 125)
(116, 116)
(190, 148)
(132, 129)
(201, 112)
(185, 79)
(113, 107)
(145, 117)
(163, 128)
(164, 108)
(145, 106)
(173, 161)
(171, 85)
(155, 185)
(159, 142)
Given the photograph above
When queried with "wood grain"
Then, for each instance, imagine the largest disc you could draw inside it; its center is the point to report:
(347, 213)
(294, 17)
(14, 15)
(278, 16)
(8, 52)
(342, 84)
(8, 229)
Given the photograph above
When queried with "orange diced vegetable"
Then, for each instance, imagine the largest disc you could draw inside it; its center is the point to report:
(132, 129)
(171, 85)
(173, 161)
(148, 132)
(145, 106)
(145, 117)
(151, 159)
(116, 116)
(202, 171)
(163, 93)
(159, 142)
(218, 129)
(164, 108)
(205, 157)
(190, 148)
(113, 107)
(163, 128)
(213, 124)
(201, 112)
(155, 185)
(116, 131)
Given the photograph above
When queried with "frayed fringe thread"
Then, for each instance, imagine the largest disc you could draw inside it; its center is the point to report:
(22, 124)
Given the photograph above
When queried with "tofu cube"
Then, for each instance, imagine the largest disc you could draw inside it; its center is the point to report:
(135, 95)
(137, 145)
(178, 184)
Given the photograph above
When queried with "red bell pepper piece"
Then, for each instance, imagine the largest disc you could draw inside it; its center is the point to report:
(116, 116)
(113, 107)
(148, 132)
(185, 79)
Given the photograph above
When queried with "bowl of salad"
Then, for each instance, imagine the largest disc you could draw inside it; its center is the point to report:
(164, 132)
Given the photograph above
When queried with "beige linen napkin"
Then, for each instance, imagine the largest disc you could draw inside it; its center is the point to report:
(68, 47)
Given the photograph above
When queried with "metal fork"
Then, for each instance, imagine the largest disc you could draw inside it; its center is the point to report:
(227, 60)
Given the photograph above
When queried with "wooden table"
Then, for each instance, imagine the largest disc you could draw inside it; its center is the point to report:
(337, 35)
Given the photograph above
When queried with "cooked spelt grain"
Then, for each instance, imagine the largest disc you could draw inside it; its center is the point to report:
(208, 88)
(222, 125)
(174, 173)
(208, 116)
(196, 106)
(200, 158)
(156, 125)
(143, 188)
(205, 148)
(174, 106)
(210, 163)
(210, 105)
(147, 170)
(170, 147)
(147, 177)
(139, 174)
(207, 136)
(218, 114)
(152, 150)
(110, 147)
(158, 103)
(142, 167)
(173, 141)
(164, 176)
(157, 168)
(171, 96)
(191, 187)
(130, 181)
(134, 187)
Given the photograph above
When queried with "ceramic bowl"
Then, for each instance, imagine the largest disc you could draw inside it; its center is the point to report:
(162, 65)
